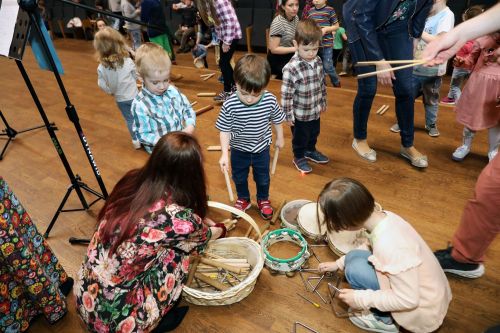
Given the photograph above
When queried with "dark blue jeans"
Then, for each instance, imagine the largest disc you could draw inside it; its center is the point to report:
(326, 55)
(305, 135)
(396, 44)
(240, 164)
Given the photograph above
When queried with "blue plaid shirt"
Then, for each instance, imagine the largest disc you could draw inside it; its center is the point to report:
(157, 115)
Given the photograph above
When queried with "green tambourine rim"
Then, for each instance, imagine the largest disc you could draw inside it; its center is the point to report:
(279, 232)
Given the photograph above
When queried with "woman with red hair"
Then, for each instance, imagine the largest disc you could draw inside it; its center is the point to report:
(137, 261)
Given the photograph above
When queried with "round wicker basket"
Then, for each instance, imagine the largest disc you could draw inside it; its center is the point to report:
(235, 245)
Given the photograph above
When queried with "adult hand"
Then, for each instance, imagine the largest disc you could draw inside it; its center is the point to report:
(347, 296)
(328, 266)
(442, 48)
(224, 162)
(225, 47)
(387, 77)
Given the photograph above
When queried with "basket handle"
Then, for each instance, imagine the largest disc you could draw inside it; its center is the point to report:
(238, 212)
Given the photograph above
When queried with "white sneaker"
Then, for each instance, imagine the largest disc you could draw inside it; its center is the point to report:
(368, 322)
(492, 154)
(136, 144)
(395, 128)
(460, 153)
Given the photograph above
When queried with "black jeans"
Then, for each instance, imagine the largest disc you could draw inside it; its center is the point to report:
(305, 135)
(225, 65)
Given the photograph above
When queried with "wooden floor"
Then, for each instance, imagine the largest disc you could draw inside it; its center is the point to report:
(432, 200)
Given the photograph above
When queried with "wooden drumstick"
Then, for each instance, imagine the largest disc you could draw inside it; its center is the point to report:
(380, 109)
(194, 103)
(228, 184)
(249, 231)
(214, 283)
(204, 109)
(275, 159)
(192, 270)
(263, 230)
(214, 148)
(277, 212)
(208, 76)
(218, 264)
(206, 94)
(384, 110)
(264, 235)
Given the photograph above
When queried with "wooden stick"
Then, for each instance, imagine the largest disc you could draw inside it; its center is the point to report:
(204, 109)
(362, 76)
(206, 94)
(275, 160)
(218, 264)
(380, 109)
(264, 235)
(249, 231)
(277, 212)
(194, 103)
(208, 76)
(214, 283)
(214, 148)
(192, 270)
(228, 184)
(390, 62)
(266, 227)
(384, 110)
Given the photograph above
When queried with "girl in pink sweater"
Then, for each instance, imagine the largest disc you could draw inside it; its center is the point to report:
(397, 279)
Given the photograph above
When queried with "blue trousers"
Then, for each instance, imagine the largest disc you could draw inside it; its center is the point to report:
(457, 78)
(240, 164)
(326, 55)
(125, 109)
(361, 275)
(428, 87)
(396, 44)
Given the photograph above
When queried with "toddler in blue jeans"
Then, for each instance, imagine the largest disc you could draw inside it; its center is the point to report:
(244, 123)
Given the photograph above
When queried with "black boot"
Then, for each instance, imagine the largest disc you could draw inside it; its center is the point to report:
(171, 320)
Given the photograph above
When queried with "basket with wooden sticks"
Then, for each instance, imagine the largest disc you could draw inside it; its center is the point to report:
(228, 270)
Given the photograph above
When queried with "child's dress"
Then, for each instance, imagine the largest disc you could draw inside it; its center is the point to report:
(477, 107)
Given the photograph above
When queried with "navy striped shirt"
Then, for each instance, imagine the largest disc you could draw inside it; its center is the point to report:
(250, 125)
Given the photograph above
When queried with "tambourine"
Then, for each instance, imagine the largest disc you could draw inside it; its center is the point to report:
(289, 265)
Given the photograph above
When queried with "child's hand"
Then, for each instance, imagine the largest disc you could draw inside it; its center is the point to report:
(347, 296)
(209, 222)
(328, 266)
(224, 162)
(324, 31)
(458, 61)
(290, 123)
(225, 47)
(189, 129)
(280, 142)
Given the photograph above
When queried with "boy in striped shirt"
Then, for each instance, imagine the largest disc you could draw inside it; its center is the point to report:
(245, 124)
(326, 18)
(159, 108)
(303, 95)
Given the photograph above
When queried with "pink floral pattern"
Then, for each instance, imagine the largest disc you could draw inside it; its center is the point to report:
(130, 290)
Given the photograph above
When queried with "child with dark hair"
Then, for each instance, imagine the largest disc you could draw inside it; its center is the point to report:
(398, 277)
(138, 259)
(245, 124)
(303, 95)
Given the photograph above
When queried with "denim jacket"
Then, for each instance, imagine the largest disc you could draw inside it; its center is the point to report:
(364, 17)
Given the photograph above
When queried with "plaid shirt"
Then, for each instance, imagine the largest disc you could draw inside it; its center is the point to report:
(229, 28)
(157, 115)
(303, 91)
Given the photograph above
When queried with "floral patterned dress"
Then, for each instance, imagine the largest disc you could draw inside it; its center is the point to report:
(131, 290)
(30, 273)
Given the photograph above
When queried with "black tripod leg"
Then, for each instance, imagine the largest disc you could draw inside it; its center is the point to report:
(59, 209)
(5, 147)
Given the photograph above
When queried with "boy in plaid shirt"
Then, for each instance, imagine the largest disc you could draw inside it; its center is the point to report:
(303, 95)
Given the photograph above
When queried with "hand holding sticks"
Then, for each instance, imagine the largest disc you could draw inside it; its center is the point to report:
(410, 63)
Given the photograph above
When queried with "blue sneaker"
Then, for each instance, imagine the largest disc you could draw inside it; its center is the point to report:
(316, 157)
(302, 165)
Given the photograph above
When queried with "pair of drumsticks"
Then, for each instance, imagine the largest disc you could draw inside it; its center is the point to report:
(409, 63)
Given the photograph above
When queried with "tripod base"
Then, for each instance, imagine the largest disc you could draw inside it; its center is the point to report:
(78, 186)
(11, 133)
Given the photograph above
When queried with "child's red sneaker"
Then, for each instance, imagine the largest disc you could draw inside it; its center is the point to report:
(265, 209)
(241, 204)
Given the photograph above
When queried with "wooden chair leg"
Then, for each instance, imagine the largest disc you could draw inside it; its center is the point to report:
(248, 32)
(61, 27)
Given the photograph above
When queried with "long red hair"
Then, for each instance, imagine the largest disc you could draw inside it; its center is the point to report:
(173, 172)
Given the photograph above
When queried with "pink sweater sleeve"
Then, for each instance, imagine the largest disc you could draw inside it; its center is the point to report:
(403, 295)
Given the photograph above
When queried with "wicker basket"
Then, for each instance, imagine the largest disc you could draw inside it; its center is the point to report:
(233, 245)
